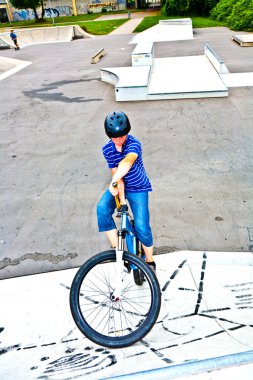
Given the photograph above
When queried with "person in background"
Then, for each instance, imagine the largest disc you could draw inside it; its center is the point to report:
(14, 39)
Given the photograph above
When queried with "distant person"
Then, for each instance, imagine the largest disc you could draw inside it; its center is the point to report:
(14, 39)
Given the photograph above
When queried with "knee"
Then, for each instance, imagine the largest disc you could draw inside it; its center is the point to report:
(144, 234)
(102, 208)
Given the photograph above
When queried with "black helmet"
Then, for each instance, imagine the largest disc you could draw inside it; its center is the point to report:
(117, 124)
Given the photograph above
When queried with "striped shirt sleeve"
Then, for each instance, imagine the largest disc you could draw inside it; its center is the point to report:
(134, 147)
(108, 156)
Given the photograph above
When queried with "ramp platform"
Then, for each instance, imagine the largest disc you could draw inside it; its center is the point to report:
(169, 78)
(166, 30)
(32, 36)
(243, 39)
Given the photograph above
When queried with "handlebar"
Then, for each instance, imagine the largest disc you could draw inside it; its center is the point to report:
(117, 200)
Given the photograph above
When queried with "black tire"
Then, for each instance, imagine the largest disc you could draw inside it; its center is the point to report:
(138, 273)
(116, 323)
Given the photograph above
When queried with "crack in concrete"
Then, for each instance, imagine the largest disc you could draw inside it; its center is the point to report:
(165, 249)
(54, 259)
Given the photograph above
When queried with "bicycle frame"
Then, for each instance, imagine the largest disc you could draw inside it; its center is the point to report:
(126, 232)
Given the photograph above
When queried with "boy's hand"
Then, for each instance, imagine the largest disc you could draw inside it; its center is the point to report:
(114, 190)
(119, 190)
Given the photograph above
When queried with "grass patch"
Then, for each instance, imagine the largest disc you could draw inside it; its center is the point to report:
(197, 22)
(92, 27)
(61, 20)
(87, 23)
(205, 22)
(101, 27)
(71, 20)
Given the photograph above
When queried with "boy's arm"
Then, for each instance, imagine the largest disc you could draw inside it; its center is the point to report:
(120, 190)
(118, 174)
(124, 166)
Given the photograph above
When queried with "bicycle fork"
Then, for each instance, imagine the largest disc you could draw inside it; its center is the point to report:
(117, 294)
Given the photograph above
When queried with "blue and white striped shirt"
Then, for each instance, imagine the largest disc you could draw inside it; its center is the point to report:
(136, 179)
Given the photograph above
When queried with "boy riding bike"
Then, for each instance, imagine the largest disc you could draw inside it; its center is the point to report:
(123, 154)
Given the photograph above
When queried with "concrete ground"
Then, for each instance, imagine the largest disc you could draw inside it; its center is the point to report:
(204, 330)
(198, 154)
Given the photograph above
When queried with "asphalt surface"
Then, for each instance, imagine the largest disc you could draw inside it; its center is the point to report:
(197, 152)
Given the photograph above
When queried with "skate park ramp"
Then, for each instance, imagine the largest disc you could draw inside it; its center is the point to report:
(10, 66)
(205, 324)
(166, 30)
(168, 78)
(32, 36)
(243, 39)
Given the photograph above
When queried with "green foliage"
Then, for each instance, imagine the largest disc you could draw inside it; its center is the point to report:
(176, 7)
(188, 7)
(222, 10)
(241, 17)
(201, 7)
(25, 4)
(238, 14)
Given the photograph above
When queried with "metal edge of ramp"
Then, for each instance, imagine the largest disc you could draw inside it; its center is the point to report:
(191, 368)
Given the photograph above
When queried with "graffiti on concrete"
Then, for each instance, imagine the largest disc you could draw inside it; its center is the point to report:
(51, 12)
(58, 11)
(64, 10)
(24, 14)
(28, 14)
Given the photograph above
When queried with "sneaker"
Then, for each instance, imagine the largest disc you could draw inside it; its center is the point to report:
(152, 266)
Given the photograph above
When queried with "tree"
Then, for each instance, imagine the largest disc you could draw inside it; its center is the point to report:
(188, 7)
(176, 7)
(32, 4)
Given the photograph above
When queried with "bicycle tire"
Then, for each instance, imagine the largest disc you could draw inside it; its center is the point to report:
(137, 273)
(127, 320)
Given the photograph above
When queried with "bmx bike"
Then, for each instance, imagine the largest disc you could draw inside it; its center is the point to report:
(115, 296)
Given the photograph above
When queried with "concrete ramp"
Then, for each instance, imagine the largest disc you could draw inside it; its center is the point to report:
(168, 78)
(185, 77)
(10, 66)
(243, 39)
(32, 36)
(166, 30)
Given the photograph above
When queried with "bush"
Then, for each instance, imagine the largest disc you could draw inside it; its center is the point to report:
(241, 17)
(238, 14)
(222, 10)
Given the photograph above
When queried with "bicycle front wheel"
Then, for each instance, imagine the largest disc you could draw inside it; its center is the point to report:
(114, 323)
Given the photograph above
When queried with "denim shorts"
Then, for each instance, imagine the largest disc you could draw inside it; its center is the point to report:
(139, 205)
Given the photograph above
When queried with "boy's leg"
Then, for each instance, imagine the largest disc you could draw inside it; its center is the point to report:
(105, 210)
(139, 206)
